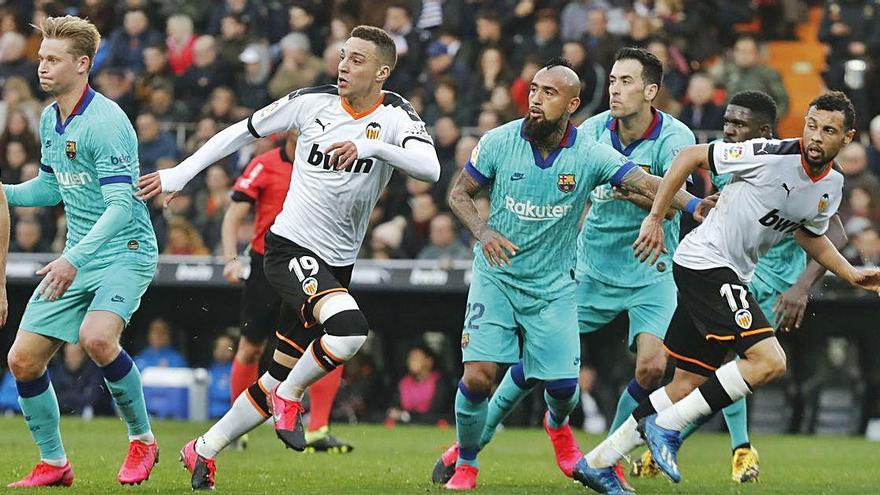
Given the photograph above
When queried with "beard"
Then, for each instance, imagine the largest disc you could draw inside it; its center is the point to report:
(540, 130)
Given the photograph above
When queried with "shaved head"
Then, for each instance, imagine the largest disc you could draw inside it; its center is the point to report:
(563, 78)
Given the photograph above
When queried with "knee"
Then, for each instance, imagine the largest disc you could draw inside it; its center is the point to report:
(100, 348)
(650, 370)
(775, 367)
(23, 366)
(479, 378)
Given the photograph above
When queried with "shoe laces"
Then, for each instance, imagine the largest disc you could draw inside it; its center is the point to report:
(136, 452)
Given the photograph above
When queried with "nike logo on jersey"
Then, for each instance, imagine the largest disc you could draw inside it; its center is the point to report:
(517, 176)
(788, 190)
(323, 125)
(778, 223)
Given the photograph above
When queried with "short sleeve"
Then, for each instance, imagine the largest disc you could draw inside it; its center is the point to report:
(481, 165)
(737, 159)
(251, 182)
(409, 125)
(281, 115)
(608, 165)
(828, 205)
(114, 152)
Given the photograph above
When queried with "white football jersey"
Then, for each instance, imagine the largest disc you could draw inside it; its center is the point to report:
(770, 195)
(326, 210)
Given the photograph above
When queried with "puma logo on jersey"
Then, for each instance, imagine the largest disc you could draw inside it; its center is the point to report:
(788, 190)
(323, 125)
(320, 159)
(778, 223)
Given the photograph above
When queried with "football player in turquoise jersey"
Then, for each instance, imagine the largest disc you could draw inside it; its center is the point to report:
(541, 170)
(90, 162)
(610, 279)
(781, 284)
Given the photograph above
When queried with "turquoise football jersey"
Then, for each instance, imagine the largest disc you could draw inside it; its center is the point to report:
(612, 225)
(95, 146)
(537, 203)
(780, 266)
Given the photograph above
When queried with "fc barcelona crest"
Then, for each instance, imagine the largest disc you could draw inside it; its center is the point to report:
(70, 148)
(566, 183)
(373, 129)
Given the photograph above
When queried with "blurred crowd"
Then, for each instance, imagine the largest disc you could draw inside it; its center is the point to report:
(183, 69)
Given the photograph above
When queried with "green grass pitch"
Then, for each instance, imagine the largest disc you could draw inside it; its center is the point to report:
(399, 460)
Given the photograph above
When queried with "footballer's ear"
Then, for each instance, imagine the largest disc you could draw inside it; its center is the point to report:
(383, 73)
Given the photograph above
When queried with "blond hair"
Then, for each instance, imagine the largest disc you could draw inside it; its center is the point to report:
(83, 35)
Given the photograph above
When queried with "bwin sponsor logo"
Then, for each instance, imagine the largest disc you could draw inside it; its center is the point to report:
(531, 212)
(73, 179)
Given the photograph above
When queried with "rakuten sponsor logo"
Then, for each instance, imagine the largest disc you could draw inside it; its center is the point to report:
(532, 212)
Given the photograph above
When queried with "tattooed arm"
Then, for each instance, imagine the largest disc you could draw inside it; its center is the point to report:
(461, 202)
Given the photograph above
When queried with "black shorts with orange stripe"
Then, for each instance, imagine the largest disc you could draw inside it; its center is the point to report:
(301, 278)
(716, 314)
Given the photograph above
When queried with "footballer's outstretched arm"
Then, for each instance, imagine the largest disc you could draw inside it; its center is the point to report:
(461, 202)
(417, 158)
(790, 306)
(219, 146)
(823, 251)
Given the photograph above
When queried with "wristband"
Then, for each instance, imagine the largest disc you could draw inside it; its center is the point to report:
(692, 205)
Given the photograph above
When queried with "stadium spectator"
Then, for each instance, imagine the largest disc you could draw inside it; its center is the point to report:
(544, 43)
(447, 134)
(205, 74)
(747, 71)
(251, 84)
(407, 41)
(223, 108)
(501, 102)
(492, 70)
(701, 112)
(443, 243)
(675, 68)
(28, 237)
(17, 127)
(858, 203)
(386, 238)
(233, 39)
(854, 162)
(361, 395)
(101, 13)
(159, 351)
(423, 395)
(156, 71)
(180, 41)
(415, 234)
(79, 384)
(248, 10)
(211, 204)
(17, 96)
(153, 143)
(15, 158)
(298, 67)
(599, 43)
(162, 104)
(13, 62)
(489, 33)
(220, 370)
(864, 243)
(301, 19)
(874, 148)
(126, 44)
(486, 121)
(113, 83)
(640, 32)
(206, 127)
(847, 27)
(330, 71)
(432, 15)
(447, 56)
(519, 89)
(448, 102)
(183, 238)
(594, 81)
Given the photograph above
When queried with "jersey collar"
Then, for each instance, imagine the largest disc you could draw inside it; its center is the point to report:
(567, 141)
(359, 115)
(825, 170)
(84, 100)
(652, 133)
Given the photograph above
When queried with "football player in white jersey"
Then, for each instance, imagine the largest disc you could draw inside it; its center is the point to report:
(778, 188)
(352, 136)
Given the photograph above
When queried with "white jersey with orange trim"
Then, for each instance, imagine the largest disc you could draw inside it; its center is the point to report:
(327, 210)
(771, 194)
